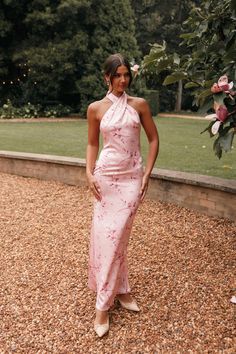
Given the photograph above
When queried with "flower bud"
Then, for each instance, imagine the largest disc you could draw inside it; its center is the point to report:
(222, 113)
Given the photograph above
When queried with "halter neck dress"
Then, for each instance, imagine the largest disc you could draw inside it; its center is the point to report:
(118, 172)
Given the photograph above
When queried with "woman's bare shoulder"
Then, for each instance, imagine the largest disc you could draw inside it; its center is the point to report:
(94, 106)
(137, 103)
(138, 100)
(98, 108)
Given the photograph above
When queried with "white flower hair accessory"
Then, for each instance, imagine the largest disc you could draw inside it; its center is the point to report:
(135, 68)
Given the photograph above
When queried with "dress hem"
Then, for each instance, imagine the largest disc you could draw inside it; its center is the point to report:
(118, 293)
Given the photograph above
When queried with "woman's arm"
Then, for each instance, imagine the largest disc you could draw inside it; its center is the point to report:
(153, 139)
(92, 149)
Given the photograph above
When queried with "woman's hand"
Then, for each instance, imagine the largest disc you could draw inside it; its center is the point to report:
(94, 186)
(144, 187)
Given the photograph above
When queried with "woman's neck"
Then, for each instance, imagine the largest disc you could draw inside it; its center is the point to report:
(115, 93)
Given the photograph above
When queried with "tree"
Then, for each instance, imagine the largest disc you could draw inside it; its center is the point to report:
(112, 30)
(61, 45)
(158, 21)
(210, 34)
(12, 30)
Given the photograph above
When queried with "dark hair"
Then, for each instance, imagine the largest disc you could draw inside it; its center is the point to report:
(113, 62)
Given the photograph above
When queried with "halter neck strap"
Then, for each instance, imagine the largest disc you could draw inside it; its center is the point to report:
(115, 98)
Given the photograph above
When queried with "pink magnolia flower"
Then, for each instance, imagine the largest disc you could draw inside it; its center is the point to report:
(135, 69)
(215, 127)
(222, 113)
(215, 88)
(220, 116)
(223, 82)
(222, 85)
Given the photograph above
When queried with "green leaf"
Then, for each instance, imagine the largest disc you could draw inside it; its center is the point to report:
(219, 98)
(206, 106)
(187, 35)
(174, 77)
(176, 59)
(209, 83)
(163, 65)
(191, 84)
(226, 141)
(233, 7)
(201, 98)
(229, 101)
(224, 130)
(209, 129)
(202, 28)
(153, 58)
(158, 47)
(205, 93)
(217, 148)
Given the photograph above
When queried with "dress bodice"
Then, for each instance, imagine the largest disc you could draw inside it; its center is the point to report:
(120, 128)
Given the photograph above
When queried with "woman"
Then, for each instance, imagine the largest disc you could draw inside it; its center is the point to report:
(118, 183)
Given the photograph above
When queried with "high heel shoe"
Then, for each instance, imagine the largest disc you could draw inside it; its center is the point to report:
(101, 329)
(132, 306)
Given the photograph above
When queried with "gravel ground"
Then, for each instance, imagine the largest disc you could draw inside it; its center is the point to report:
(182, 271)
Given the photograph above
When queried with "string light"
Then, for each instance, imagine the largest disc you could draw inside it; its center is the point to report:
(18, 80)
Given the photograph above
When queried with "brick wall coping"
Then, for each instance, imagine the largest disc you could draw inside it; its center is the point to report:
(217, 183)
(64, 160)
(226, 185)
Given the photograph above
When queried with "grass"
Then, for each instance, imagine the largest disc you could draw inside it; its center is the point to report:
(182, 147)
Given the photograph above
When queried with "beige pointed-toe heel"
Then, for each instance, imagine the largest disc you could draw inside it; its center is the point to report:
(101, 329)
(132, 306)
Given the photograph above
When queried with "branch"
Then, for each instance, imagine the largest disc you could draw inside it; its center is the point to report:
(231, 113)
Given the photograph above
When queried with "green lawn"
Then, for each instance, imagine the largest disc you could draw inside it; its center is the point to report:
(182, 147)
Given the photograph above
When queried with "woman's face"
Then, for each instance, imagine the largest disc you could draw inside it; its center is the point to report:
(120, 81)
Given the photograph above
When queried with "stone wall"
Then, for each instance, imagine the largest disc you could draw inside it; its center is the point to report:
(209, 195)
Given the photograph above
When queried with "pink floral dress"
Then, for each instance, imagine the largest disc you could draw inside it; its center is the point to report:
(118, 172)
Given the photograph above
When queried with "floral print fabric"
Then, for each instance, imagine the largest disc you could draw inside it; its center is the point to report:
(118, 172)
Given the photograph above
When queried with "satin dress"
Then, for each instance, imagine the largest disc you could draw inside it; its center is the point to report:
(119, 173)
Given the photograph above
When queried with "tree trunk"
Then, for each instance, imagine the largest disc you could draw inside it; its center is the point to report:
(178, 103)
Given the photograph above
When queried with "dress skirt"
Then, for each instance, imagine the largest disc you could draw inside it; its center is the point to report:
(111, 226)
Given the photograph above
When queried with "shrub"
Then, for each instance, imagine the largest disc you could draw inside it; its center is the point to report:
(29, 110)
